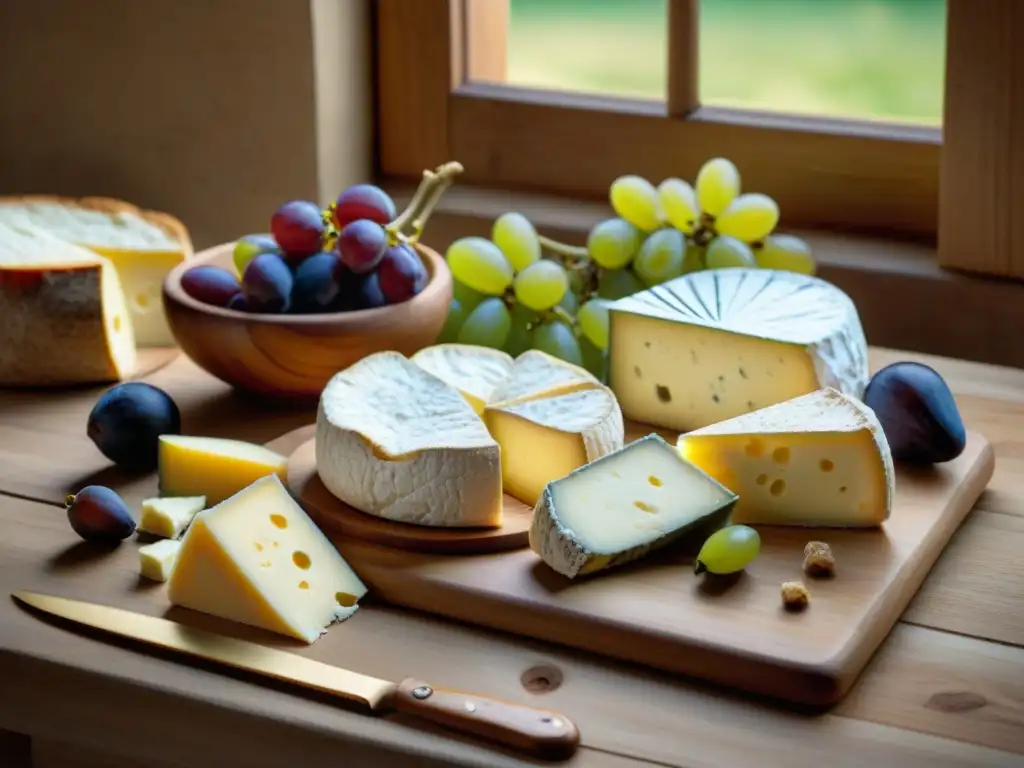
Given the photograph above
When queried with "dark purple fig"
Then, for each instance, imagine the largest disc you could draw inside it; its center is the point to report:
(127, 421)
(98, 514)
(918, 413)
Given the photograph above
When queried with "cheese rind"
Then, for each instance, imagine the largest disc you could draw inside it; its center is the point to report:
(157, 560)
(623, 506)
(170, 516)
(395, 441)
(712, 345)
(258, 559)
(817, 460)
(537, 374)
(545, 439)
(213, 467)
(63, 318)
(143, 247)
(477, 372)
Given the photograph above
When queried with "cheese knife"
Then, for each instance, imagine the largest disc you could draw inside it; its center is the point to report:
(537, 732)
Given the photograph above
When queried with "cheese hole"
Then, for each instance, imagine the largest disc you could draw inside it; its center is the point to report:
(754, 448)
(279, 520)
(826, 465)
(142, 300)
(663, 394)
(781, 455)
(117, 323)
(259, 547)
(266, 564)
(762, 479)
(777, 488)
(345, 599)
(655, 481)
(301, 560)
(842, 489)
(303, 585)
(644, 506)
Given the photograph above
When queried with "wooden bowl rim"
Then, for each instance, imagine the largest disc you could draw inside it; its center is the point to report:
(431, 292)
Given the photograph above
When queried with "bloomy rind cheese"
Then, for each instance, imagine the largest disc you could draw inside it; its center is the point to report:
(477, 372)
(560, 547)
(536, 374)
(731, 341)
(62, 314)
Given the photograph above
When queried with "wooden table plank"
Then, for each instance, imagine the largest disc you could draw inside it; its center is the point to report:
(621, 709)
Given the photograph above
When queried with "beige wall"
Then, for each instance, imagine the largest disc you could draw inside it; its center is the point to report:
(214, 110)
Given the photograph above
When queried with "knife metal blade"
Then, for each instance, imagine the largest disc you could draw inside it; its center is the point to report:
(538, 732)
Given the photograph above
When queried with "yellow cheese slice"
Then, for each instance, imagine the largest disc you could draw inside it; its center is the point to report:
(213, 467)
(170, 516)
(142, 245)
(63, 317)
(157, 560)
(258, 559)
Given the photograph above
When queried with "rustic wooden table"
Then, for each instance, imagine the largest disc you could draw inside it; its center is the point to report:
(945, 689)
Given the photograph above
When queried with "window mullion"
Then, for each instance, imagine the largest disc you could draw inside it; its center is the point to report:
(683, 40)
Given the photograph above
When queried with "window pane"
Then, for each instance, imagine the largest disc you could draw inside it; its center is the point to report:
(865, 59)
(615, 47)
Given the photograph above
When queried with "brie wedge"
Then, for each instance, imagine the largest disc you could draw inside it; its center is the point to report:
(538, 374)
(477, 372)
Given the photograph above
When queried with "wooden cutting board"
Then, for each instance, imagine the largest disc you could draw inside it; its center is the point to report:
(733, 632)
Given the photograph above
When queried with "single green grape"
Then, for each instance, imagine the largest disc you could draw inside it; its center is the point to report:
(613, 243)
(725, 251)
(517, 238)
(618, 283)
(570, 302)
(679, 202)
(557, 339)
(480, 264)
(594, 322)
(595, 360)
(457, 315)
(467, 297)
(635, 199)
(661, 256)
(786, 252)
(728, 550)
(541, 285)
(749, 218)
(249, 247)
(488, 325)
(520, 335)
(718, 183)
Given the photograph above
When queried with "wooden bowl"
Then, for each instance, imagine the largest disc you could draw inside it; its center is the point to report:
(295, 355)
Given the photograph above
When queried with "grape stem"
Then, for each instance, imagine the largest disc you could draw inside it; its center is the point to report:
(428, 195)
(574, 252)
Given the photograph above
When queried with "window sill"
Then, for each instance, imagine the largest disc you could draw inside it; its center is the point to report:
(905, 300)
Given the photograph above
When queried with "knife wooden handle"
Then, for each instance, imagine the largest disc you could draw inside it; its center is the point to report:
(537, 732)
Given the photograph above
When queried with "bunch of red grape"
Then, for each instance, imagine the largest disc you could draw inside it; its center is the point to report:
(350, 256)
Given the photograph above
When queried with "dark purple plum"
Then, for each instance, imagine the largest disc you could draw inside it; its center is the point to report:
(918, 413)
(98, 514)
(127, 421)
(211, 285)
(363, 201)
(267, 284)
(317, 283)
(402, 274)
(298, 228)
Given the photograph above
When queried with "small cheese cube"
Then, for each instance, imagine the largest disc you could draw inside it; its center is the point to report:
(156, 560)
(169, 517)
(622, 506)
(817, 460)
(213, 467)
(258, 559)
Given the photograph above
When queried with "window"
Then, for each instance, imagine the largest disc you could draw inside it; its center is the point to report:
(454, 82)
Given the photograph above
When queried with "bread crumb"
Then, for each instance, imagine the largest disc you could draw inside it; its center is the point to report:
(818, 559)
(795, 596)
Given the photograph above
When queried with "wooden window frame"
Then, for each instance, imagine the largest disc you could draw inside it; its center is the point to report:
(832, 174)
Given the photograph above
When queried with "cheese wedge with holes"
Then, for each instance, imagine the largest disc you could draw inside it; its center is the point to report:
(477, 372)
(63, 317)
(712, 345)
(817, 460)
(142, 245)
(395, 441)
(258, 559)
(170, 516)
(624, 505)
(157, 560)
(538, 374)
(543, 439)
(213, 467)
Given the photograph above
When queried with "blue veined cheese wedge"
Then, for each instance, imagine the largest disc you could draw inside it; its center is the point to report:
(712, 345)
(620, 507)
(817, 460)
